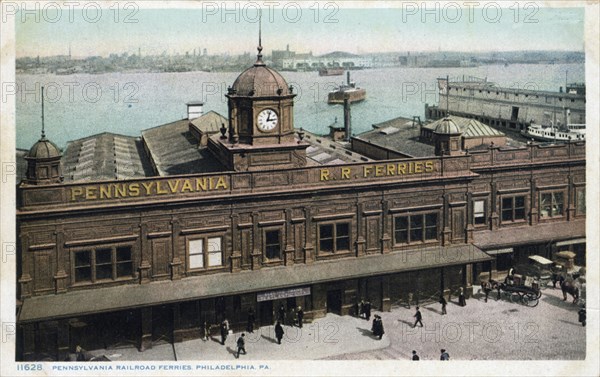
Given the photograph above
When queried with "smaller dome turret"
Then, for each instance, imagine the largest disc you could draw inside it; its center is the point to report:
(447, 127)
(44, 148)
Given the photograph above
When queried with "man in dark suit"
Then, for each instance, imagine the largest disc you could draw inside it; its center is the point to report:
(251, 320)
(241, 345)
(418, 318)
(279, 332)
(368, 310)
(415, 357)
(281, 316)
(300, 314)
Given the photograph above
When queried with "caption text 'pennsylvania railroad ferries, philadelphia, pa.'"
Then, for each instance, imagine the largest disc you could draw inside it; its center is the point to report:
(139, 239)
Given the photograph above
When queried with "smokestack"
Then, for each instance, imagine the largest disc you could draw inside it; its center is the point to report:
(347, 117)
(194, 109)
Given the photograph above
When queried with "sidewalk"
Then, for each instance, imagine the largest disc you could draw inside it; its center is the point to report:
(479, 331)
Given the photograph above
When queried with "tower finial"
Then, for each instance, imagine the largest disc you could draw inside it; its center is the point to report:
(259, 48)
(43, 132)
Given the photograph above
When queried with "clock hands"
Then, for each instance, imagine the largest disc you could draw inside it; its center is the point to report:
(269, 117)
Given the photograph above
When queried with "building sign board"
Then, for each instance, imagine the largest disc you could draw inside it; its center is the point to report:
(282, 293)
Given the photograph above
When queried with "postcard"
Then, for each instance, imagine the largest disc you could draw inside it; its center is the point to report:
(299, 188)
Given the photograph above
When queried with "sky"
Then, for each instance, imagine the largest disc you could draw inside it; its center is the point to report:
(319, 27)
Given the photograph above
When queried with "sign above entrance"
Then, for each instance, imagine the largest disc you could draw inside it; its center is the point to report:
(283, 293)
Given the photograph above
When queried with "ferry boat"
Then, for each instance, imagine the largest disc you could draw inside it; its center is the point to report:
(573, 132)
(350, 90)
(331, 71)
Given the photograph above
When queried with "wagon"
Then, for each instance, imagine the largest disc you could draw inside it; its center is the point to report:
(523, 289)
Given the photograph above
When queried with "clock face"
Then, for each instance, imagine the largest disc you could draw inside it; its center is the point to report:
(267, 120)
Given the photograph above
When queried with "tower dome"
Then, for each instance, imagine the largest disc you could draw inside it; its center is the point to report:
(447, 127)
(260, 81)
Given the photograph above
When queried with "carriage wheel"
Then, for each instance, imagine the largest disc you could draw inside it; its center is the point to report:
(531, 299)
(515, 297)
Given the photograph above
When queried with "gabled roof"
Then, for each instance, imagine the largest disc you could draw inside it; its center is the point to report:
(105, 156)
(173, 150)
(210, 122)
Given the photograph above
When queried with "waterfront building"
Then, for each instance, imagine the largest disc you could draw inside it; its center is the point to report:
(141, 239)
(509, 108)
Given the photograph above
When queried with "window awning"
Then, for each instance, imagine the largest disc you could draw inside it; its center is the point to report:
(91, 301)
(499, 251)
(571, 242)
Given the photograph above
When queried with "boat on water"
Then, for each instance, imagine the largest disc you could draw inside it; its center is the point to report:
(573, 132)
(331, 71)
(348, 90)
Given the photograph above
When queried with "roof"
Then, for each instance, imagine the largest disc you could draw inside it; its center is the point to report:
(470, 128)
(44, 148)
(447, 126)
(324, 151)
(209, 122)
(406, 140)
(262, 81)
(105, 156)
(173, 150)
(214, 285)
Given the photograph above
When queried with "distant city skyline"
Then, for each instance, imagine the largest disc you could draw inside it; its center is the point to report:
(235, 30)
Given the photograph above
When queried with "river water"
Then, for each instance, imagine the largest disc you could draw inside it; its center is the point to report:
(82, 105)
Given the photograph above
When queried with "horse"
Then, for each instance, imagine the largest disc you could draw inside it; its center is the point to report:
(488, 286)
(571, 288)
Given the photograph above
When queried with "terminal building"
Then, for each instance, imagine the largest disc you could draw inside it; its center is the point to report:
(509, 108)
(138, 240)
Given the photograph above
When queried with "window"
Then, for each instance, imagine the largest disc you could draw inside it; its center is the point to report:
(551, 204)
(334, 237)
(513, 208)
(205, 252)
(581, 201)
(102, 263)
(415, 228)
(273, 244)
(479, 212)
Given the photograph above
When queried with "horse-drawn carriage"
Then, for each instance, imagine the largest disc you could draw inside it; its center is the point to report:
(523, 289)
(517, 288)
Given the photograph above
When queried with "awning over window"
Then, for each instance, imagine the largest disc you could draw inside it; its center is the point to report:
(90, 301)
(506, 250)
(571, 242)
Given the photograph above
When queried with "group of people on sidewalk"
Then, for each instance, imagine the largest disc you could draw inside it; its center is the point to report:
(444, 356)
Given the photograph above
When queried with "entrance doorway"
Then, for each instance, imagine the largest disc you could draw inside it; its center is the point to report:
(265, 313)
(334, 301)
(162, 323)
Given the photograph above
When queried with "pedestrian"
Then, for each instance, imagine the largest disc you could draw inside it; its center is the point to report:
(582, 316)
(241, 345)
(206, 331)
(251, 320)
(281, 316)
(415, 357)
(418, 318)
(444, 303)
(486, 289)
(380, 330)
(444, 356)
(461, 297)
(410, 298)
(368, 310)
(300, 314)
(361, 308)
(291, 317)
(279, 332)
(224, 331)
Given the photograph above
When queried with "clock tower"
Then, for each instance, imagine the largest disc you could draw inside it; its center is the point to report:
(261, 133)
